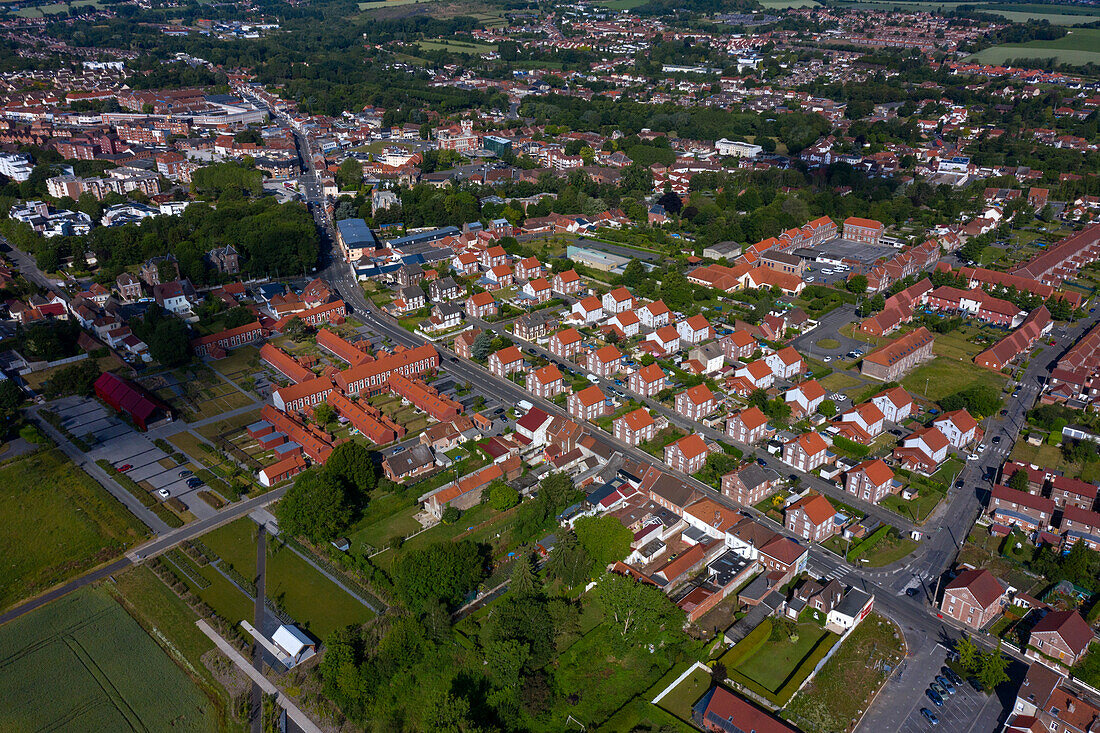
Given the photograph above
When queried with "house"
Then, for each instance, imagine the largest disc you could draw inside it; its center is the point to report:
(785, 363)
(537, 289)
(696, 402)
(417, 460)
(647, 381)
(588, 404)
(806, 452)
(751, 377)
(617, 301)
(283, 470)
(958, 427)
(739, 345)
(975, 598)
(862, 423)
(805, 398)
(587, 310)
(1067, 492)
(748, 426)
(923, 450)
(507, 360)
(565, 343)
(1019, 508)
(566, 283)
(1081, 525)
(481, 305)
(535, 326)
(655, 314)
(444, 316)
(443, 289)
(528, 268)
(871, 481)
(890, 361)
(811, 518)
(895, 404)
(694, 330)
(706, 359)
(750, 484)
(174, 296)
(665, 339)
(410, 299)
(464, 342)
(546, 382)
(864, 231)
(499, 276)
(626, 324)
(635, 427)
(605, 361)
(853, 608)
(784, 557)
(1048, 701)
(466, 491)
(688, 454)
(1061, 637)
(129, 287)
(721, 711)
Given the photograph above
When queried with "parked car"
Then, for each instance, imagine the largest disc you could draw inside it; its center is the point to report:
(930, 716)
(975, 683)
(937, 688)
(194, 483)
(945, 684)
(934, 697)
(125, 467)
(163, 493)
(952, 675)
(592, 378)
(996, 439)
(185, 473)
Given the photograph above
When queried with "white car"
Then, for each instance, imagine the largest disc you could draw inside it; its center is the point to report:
(810, 279)
(593, 378)
(827, 359)
(826, 272)
(163, 493)
(981, 447)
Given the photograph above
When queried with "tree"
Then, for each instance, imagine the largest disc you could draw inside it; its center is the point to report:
(323, 414)
(605, 539)
(634, 273)
(296, 329)
(827, 408)
(351, 464)
(502, 496)
(350, 174)
(968, 654)
(640, 610)
(857, 284)
(315, 507)
(10, 397)
(992, 668)
(441, 573)
(482, 346)
(569, 562)
(671, 202)
(1018, 480)
(524, 583)
(75, 379)
(450, 515)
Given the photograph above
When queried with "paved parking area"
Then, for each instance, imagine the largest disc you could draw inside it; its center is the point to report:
(966, 711)
(88, 419)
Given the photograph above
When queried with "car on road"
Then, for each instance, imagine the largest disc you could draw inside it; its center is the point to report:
(945, 684)
(810, 279)
(827, 359)
(930, 716)
(934, 697)
(910, 592)
(1004, 412)
(1015, 393)
(972, 457)
(125, 467)
(959, 484)
(982, 447)
(762, 462)
(185, 473)
(163, 493)
(592, 378)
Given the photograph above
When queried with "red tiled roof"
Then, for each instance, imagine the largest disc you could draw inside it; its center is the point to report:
(817, 508)
(876, 470)
(984, 586)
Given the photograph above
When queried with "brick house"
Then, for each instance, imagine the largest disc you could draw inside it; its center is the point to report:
(464, 343)
(1067, 492)
(750, 484)
(748, 426)
(890, 361)
(537, 289)
(129, 287)
(806, 452)
(481, 305)
(634, 427)
(647, 381)
(871, 481)
(751, 377)
(588, 404)
(567, 283)
(739, 345)
(811, 518)
(688, 454)
(565, 343)
(694, 330)
(507, 360)
(696, 402)
(1010, 507)
(958, 427)
(896, 404)
(1061, 636)
(1081, 525)
(546, 382)
(605, 362)
(785, 557)
(975, 598)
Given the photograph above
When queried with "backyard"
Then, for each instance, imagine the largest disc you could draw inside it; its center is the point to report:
(58, 523)
(943, 376)
(773, 664)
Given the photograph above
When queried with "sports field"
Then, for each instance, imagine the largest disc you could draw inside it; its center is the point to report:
(58, 522)
(82, 663)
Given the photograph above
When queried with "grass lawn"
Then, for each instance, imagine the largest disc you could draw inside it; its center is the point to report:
(82, 663)
(456, 46)
(1052, 457)
(840, 691)
(679, 700)
(942, 376)
(839, 382)
(58, 523)
(828, 343)
(385, 518)
(189, 444)
(916, 510)
(956, 344)
(312, 599)
(35, 380)
(887, 551)
(215, 429)
(776, 661)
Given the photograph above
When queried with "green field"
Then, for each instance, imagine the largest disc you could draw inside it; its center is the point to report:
(776, 661)
(58, 522)
(41, 11)
(622, 4)
(943, 376)
(780, 4)
(1016, 12)
(81, 663)
(454, 46)
(1080, 46)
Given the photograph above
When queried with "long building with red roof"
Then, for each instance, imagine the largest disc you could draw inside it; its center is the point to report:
(285, 364)
(1062, 260)
(368, 420)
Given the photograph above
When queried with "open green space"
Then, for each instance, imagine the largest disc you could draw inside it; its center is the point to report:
(455, 46)
(1079, 46)
(943, 376)
(840, 382)
(622, 4)
(314, 601)
(82, 663)
(773, 660)
(915, 510)
(1051, 457)
(841, 690)
(679, 700)
(780, 4)
(385, 518)
(41, 11)
(58, 523)
(1016, 12)
(887, 550)
(778, 660)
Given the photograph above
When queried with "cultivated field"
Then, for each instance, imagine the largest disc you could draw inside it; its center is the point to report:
(1017, 12)
(454, 46)
(58, 522)
(1080, 46)
(82, 663)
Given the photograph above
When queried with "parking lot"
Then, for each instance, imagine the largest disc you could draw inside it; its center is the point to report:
(120, 444)
(966, 710)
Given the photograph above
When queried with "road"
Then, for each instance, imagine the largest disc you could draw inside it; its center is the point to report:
(258, 623)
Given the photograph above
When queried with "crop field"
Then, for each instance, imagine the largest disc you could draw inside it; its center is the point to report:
(1080, 46)
(622, 4)
(1017, 12)
(454, 46)
(58, 523)
(82, 663)
(41, 11)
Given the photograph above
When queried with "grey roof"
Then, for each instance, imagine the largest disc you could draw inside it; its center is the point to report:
(724, 568)
(356, 233)
(754, 474)
(852, 602)
(407, 461)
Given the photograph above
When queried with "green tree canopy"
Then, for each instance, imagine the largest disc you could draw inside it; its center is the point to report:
(315, 507)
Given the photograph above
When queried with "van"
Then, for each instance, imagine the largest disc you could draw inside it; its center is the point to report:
(523, 406)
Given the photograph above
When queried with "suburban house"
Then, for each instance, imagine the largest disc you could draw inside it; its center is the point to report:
(688, 454)
(481, 305)
(958, 427)
(655, 314)
(588, 404)
(975, 598)
(1081, 525)
(647, 381)
(748, 426)
(895, 404)
(750, 484)
(634, 427)
(805, 398)
(923, 450)
(739, 345)
(587, 310)
(1061, 637)
(565, 343)
(751, 377)
(696, 402)
(537, 289)
(605, 361)
(807, 452)
(617, 301)
(410, 463)
(546, 382)
(566, 283)
(785, 363)
(625, 324)
(871, 481)
(665, 340)
(464, 342)
(507, 360)
(862, 423)
(1010, 507)
(694, 330)
(811, 518)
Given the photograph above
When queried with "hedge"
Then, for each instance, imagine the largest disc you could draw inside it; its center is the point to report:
(802, 671)
(748, 646)
(850, 447)
(866, 545)
(139, 493)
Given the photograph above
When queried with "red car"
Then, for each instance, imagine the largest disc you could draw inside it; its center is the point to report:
(125, 467)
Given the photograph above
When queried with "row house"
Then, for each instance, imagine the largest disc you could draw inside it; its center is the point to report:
(923, 450)
(1037, 477)
(647, 381)
(696, 402)
(805, 398)
(635, 427)
(655, 314)
(1081, 525)
(588, 404)
(1019, 508)
(895, 404)
(507, 360)
(872, 481)
(565, 343)
(694, 330)
(811, 518)
(750, 484)
(862, 423)
(958, 427)
(974, 597)
(807, 452)
(785, 363)
(749, 426)
(617, 301)
(975, 303)
(534, 326)
(688, 454)
(1067, 492)
(605, 361)
(546, 382)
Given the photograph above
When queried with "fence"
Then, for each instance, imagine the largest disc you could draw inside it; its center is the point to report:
(38, 366)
